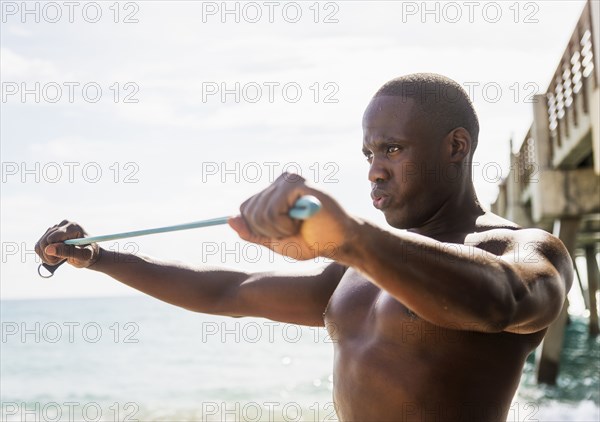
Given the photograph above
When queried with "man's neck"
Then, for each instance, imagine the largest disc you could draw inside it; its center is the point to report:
(458, 215)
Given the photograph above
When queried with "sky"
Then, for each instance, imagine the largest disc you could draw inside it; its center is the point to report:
(130, 115)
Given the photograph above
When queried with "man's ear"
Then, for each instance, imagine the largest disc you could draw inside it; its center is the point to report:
(459, 144)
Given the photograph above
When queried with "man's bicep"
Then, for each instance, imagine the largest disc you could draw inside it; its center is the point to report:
(543, 273)
(291, 298)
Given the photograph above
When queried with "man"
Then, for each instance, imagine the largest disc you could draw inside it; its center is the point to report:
(431, 323)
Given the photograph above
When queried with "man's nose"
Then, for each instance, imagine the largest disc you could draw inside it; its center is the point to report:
(378, 172)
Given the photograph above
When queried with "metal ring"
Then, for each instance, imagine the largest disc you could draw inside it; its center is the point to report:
(42, 275)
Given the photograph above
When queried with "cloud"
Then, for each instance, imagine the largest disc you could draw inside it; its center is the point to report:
(20, 68)
(18, 30)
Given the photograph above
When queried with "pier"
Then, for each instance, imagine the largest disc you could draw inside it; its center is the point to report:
(554, 181)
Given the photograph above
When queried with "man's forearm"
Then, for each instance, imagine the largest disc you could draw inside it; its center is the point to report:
(448, 284)
(200, 290)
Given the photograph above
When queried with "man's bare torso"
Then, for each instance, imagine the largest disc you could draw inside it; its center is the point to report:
(391, 365)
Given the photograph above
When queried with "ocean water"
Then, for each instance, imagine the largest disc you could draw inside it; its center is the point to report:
(136, 358)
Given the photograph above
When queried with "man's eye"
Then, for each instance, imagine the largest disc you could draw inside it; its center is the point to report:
(368, 155)
(393, 148)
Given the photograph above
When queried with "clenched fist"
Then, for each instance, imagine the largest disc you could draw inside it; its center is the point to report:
(52, 250)
(264, 220)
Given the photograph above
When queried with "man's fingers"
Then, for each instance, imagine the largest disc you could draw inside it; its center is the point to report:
(50, 259)
(59, 250)
(293, 247)
(71, 252)
(69, 232)
(285, 226)
(239, 225)
(267, 217)
(40, 248)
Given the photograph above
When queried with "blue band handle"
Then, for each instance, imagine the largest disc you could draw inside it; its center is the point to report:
(305, 207)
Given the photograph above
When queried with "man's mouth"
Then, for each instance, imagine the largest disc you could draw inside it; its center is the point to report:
(380, 198)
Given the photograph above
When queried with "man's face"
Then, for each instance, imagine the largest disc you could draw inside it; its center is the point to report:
(408, 166)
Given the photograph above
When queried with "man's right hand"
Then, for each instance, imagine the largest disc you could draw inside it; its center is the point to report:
(52, 250)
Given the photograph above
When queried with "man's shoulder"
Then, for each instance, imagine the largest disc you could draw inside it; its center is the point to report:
(527, 246)
(492, 225)
(502, 235)
(495, 230)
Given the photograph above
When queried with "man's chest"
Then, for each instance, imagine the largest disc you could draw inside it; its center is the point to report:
(358, 308)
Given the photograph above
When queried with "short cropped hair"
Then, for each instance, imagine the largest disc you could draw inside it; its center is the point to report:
(442, 102)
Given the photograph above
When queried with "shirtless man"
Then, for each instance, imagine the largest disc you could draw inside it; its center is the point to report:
(430, 323)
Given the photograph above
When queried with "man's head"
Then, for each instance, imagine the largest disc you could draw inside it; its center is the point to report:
(420, 132)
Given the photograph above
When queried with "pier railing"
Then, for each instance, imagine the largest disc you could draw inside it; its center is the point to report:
(570, 92)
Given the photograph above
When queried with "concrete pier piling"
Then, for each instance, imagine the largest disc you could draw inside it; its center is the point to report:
(593, 276)
(548, 353)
